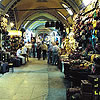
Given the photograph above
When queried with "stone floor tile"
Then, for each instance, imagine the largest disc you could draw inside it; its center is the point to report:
(34, 81)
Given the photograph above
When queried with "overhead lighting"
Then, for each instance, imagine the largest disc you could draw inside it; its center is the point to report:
(87, 2)
(68, 9)
(7, 15)
(62, 15)
(11, 24)
(70, 12)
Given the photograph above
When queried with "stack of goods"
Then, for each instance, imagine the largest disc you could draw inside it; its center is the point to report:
(79, 70)
(86, 88)
(66, 46)
(72, 41)
(5, 40)
(15, 44)
(3, 29)
(4, 60)
(89, 89)
(73, 94)
(84, 63)
(65, 51)
(3, 67)
(95, 81)
(87, 31)
(69, 43)
(96, 66)
(3, 20)
(10, 44)
(5, 56)
(16, 62)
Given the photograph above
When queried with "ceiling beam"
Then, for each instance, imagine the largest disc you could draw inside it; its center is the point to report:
(9, 6)
(2, 7)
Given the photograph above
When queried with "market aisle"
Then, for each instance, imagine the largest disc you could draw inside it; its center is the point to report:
(33, 81)
(56, 86)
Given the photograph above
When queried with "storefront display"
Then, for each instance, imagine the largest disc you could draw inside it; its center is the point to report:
(3, 31)
(82, 52)
(10, 41)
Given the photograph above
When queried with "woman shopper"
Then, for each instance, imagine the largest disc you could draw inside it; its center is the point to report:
(50, 54)
(33, 48)
(44, 49)
(38, 51)
(55, 52)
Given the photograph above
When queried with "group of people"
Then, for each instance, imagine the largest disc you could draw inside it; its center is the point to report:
(53, 54)
(39, 50)
(42, 48)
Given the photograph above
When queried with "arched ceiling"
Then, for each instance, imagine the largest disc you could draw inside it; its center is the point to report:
(29, 12)
(38, 19)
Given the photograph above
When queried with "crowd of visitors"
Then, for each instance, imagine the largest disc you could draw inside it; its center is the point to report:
(41, 50)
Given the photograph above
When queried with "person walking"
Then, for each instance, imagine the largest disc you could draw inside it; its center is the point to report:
(44, 49)
(55, 52)
(30, 48)
(38, 51)
(33, 49)
(50, 53)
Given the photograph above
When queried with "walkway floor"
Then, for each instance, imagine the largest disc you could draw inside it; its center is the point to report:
(34, 81)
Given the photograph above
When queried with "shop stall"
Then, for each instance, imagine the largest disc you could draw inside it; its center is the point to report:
(80, 54)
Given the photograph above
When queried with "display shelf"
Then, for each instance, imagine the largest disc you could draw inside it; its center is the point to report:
(15, 43)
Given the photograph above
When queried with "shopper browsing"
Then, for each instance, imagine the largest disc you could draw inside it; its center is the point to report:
(44, 49)
(55, 51)
(50, 53)
(38, 51)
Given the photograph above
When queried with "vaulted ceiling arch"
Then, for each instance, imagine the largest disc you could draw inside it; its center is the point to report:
(24, 10)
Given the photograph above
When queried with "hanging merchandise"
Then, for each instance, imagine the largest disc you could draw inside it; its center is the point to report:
(82, 56)
(94, 23)
(89, 29)
(4, 22)
(4, 33)
(85, 33)
(72, 41)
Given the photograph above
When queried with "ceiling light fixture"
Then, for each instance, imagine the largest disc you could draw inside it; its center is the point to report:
(68, 9)
(11, 24)
(7, 15)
